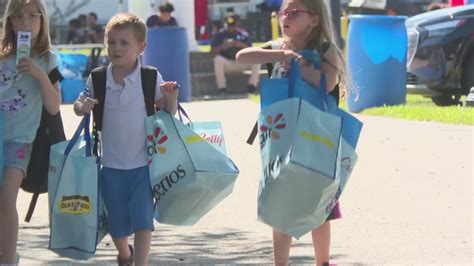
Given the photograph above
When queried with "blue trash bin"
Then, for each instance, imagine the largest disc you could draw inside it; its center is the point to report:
(72, 67)
(376, 61)
(167, 50)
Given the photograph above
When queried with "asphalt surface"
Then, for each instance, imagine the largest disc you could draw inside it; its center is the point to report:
(409, 201)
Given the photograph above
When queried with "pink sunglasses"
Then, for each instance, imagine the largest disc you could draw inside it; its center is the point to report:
(293, 13)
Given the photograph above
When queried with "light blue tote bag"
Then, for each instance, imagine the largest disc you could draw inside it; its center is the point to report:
(300, 153)
(78, 215)
(189, 176)
(211, 131)
(277, 90)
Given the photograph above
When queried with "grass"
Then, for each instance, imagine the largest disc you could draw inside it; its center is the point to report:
(417, 108)
(422, 109)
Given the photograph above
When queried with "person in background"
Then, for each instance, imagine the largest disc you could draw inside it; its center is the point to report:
(72, 36)
(165, 19)
(81, 31)
(224, 46)
(96, 32)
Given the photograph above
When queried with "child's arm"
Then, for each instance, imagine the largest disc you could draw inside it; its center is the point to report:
(328, 67)
(82, 106)
(50, 93)
(169, 101)
(85, 102)
(253, 55)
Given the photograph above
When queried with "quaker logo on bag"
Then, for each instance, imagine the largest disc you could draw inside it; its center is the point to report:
(75, 204)
(157, 147)
(168, 181)
(270, 130)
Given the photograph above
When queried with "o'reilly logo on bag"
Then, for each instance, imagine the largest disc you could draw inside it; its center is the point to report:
(157, 139)
(75, 204)
(168, 181)
(211, 138)
(271, 128)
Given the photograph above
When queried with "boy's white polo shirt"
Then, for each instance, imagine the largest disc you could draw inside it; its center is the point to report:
(123, 123)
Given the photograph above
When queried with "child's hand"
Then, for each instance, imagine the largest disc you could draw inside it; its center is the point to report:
(287, 56)
(88, 105)
(169, 89)
(28, 66)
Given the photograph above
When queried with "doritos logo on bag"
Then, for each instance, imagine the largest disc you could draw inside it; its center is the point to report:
(75, 204)
(270, 129)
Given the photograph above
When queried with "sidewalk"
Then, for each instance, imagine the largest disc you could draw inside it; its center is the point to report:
(409, 201)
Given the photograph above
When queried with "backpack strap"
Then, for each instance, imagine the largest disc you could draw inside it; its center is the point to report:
(149, 76)
(99, 78)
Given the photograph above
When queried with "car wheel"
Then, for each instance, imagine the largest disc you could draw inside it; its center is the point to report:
(467, 74)
(445, 100)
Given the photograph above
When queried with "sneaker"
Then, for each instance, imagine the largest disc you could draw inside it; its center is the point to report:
(251, 88)
(127, 261)
(222, 91)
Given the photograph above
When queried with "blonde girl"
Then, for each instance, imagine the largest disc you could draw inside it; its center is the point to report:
(305, 25)
(25, 87)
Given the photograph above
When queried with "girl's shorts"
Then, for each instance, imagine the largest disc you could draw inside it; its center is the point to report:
(336, 213)
(129, 200)
(17, 155)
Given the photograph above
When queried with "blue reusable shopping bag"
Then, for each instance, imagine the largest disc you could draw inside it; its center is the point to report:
(211, 131)
(78, 215)
(188, 175)
(300, 151)
(274, 90)
(274, 201)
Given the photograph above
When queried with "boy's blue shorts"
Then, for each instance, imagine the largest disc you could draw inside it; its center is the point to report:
(129, 200)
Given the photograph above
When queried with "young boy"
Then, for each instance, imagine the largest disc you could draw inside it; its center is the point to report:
(125, 183)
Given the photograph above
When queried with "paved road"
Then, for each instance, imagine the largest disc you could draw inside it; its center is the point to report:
(409, 201)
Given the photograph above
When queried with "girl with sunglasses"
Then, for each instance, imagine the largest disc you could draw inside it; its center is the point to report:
(305, 25)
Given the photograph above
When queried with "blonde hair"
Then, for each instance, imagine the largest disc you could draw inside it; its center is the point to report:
(127, 20)
(43, 42)
(324, 33)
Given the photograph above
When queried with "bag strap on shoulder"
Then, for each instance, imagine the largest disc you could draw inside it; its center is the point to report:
(149, 76)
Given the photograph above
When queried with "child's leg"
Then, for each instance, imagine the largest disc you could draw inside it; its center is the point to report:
(141, 213)
(121, 244)
(9, 215)
(281, 247)
(321, 243)
(142, 246)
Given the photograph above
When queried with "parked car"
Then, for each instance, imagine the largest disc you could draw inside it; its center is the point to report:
(440, 59)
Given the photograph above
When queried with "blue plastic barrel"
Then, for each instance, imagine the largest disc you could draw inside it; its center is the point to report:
(376, 60)
(72, 67)
(167, 50)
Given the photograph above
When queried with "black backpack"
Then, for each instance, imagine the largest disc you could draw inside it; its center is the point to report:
(99, 79)
(50, 131)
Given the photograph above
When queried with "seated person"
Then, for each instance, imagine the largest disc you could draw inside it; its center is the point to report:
(224, 46)
(164, 19)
